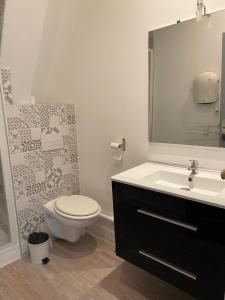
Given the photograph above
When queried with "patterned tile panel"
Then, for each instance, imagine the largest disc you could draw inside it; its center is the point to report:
(6, 86)
(40, 176)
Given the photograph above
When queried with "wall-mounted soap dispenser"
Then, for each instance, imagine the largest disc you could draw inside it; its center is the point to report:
(206, 88)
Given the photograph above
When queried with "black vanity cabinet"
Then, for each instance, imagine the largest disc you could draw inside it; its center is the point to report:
(178, 240)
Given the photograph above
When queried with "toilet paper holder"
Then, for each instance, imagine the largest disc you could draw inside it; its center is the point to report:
(119, 146)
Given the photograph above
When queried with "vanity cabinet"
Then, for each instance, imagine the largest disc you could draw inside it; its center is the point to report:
(179, 240)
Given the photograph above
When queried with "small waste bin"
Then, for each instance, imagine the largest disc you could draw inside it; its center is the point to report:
(39, 247)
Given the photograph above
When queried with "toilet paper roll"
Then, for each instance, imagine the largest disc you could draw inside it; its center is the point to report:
(115, 145)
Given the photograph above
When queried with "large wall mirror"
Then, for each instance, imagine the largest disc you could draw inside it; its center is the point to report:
(187, 82)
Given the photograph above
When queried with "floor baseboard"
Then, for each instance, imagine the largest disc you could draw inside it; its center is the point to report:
(103, 228)
(9, 254)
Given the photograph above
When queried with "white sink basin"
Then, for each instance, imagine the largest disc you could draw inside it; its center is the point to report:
(207, 186)
(202, 185)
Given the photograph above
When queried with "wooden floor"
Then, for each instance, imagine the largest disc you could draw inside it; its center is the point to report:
(87, 270)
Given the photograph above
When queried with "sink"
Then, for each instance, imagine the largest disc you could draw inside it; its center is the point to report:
(202, 185)
(207, 185)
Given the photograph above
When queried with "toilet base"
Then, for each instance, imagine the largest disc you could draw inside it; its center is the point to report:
(64, 232)
(66, 228)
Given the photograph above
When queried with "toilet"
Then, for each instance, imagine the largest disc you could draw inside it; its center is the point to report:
(68, 216)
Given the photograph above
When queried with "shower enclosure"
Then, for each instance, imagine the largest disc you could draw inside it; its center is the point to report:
(9, 242)
(4, 220)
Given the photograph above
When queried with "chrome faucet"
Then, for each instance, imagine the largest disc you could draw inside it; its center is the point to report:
(194, 170)
(193, 167)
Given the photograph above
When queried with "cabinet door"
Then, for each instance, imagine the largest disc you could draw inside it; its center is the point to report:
(171, 242)
(197, 226)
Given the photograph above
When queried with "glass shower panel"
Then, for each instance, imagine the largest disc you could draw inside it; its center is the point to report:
(4, 221)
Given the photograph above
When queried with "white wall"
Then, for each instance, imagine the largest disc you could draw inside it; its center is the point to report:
(22, 31)
(103, 68)
(53, 69)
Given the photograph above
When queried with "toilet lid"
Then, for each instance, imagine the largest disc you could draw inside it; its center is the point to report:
(76, 205)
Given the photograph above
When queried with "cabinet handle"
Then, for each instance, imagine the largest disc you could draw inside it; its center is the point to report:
(170, 266)
(155, 216)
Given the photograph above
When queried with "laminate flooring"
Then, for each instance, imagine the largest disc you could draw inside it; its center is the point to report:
(86, 270)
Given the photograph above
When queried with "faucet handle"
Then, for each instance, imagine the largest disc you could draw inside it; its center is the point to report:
(194, 164)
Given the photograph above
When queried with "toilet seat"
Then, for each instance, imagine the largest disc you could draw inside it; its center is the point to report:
(76, 207)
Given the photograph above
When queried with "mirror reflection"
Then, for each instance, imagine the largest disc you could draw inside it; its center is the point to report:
(187, 72)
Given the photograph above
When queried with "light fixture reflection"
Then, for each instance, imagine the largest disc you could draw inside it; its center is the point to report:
(201, 10)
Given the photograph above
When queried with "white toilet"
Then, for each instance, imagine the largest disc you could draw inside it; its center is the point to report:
(68, 216)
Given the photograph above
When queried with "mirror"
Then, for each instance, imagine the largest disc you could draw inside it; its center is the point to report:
(187, 82)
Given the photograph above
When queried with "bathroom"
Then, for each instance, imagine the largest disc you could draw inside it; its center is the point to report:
(85, 66)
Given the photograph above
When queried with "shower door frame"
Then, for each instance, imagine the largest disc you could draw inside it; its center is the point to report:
(11, 251)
